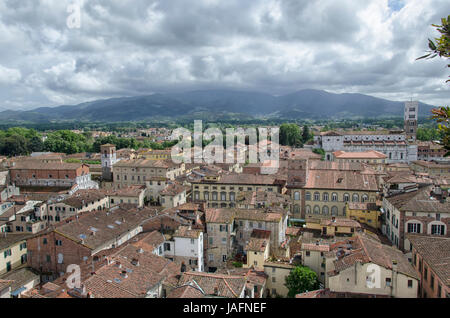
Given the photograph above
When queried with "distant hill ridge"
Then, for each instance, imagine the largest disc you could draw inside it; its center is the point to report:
(303, 104)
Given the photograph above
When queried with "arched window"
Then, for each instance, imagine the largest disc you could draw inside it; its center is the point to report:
(223, 196)
(355, 198)
(308, 196)
(334, 211)
(206, 195)
(214, 196)
(346, 197)
(316, 209)
(414, 227)
(316, 196)
(325, 210)
(325, 196)
(364, 198)
(308, 209)
(437, 228)
(296, 209)
(297, 196)
(232, 196)
(334, 197)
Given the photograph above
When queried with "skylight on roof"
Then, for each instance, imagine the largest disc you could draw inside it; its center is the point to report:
(93, 229)
(118, 222)
(111, 226)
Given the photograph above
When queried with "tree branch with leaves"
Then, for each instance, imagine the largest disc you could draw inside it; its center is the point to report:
(441, 47)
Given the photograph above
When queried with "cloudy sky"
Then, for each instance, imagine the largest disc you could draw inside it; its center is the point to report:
(127, 48)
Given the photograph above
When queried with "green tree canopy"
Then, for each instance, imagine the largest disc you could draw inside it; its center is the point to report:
(441, 47)
(290, 135)
(300, 280)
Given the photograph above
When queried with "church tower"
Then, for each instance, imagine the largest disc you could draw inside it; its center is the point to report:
(411, 117)
(109, 158)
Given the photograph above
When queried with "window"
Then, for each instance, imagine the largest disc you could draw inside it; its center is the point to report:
(308, 196)
(388, 281)
(325, 196)
(325, 210)
(334, 211)
(58, 243)
(297, 196)
(410, 283)
(437, 229)
(414, 227)
(7, 253)
(316, 196)
(224, 258)
(44, 241)
(355, 198)
(334, 197)
(432, 282)
(192, 241)
(316, 210)
(308, 253)
(48, 258)
(346, 197)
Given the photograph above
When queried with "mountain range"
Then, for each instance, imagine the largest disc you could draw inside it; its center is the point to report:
(216, 104)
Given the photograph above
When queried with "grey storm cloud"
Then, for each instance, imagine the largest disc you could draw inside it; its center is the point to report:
(126, 48)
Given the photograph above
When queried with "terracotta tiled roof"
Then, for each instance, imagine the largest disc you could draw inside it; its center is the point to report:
(131, 191)
(419, 200)
(248, 179)
(227, 286)
(340, 222)
(173, 189)
(82, 197)
(186, 231)
(435, 252)
(186, 291)
(146, 163)
(257, 215)
(148, 241)
(369, 250)
(9, 239)
(219, 216)
(257, 244)
(370, 154)
(341, 180)
(94, 229)
(37, 165)
(5, 283)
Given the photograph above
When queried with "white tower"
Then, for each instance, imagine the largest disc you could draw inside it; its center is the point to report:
(411, 117)
(109, 158)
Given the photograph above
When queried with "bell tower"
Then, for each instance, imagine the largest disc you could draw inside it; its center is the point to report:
(411, 117)
(109, 158)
